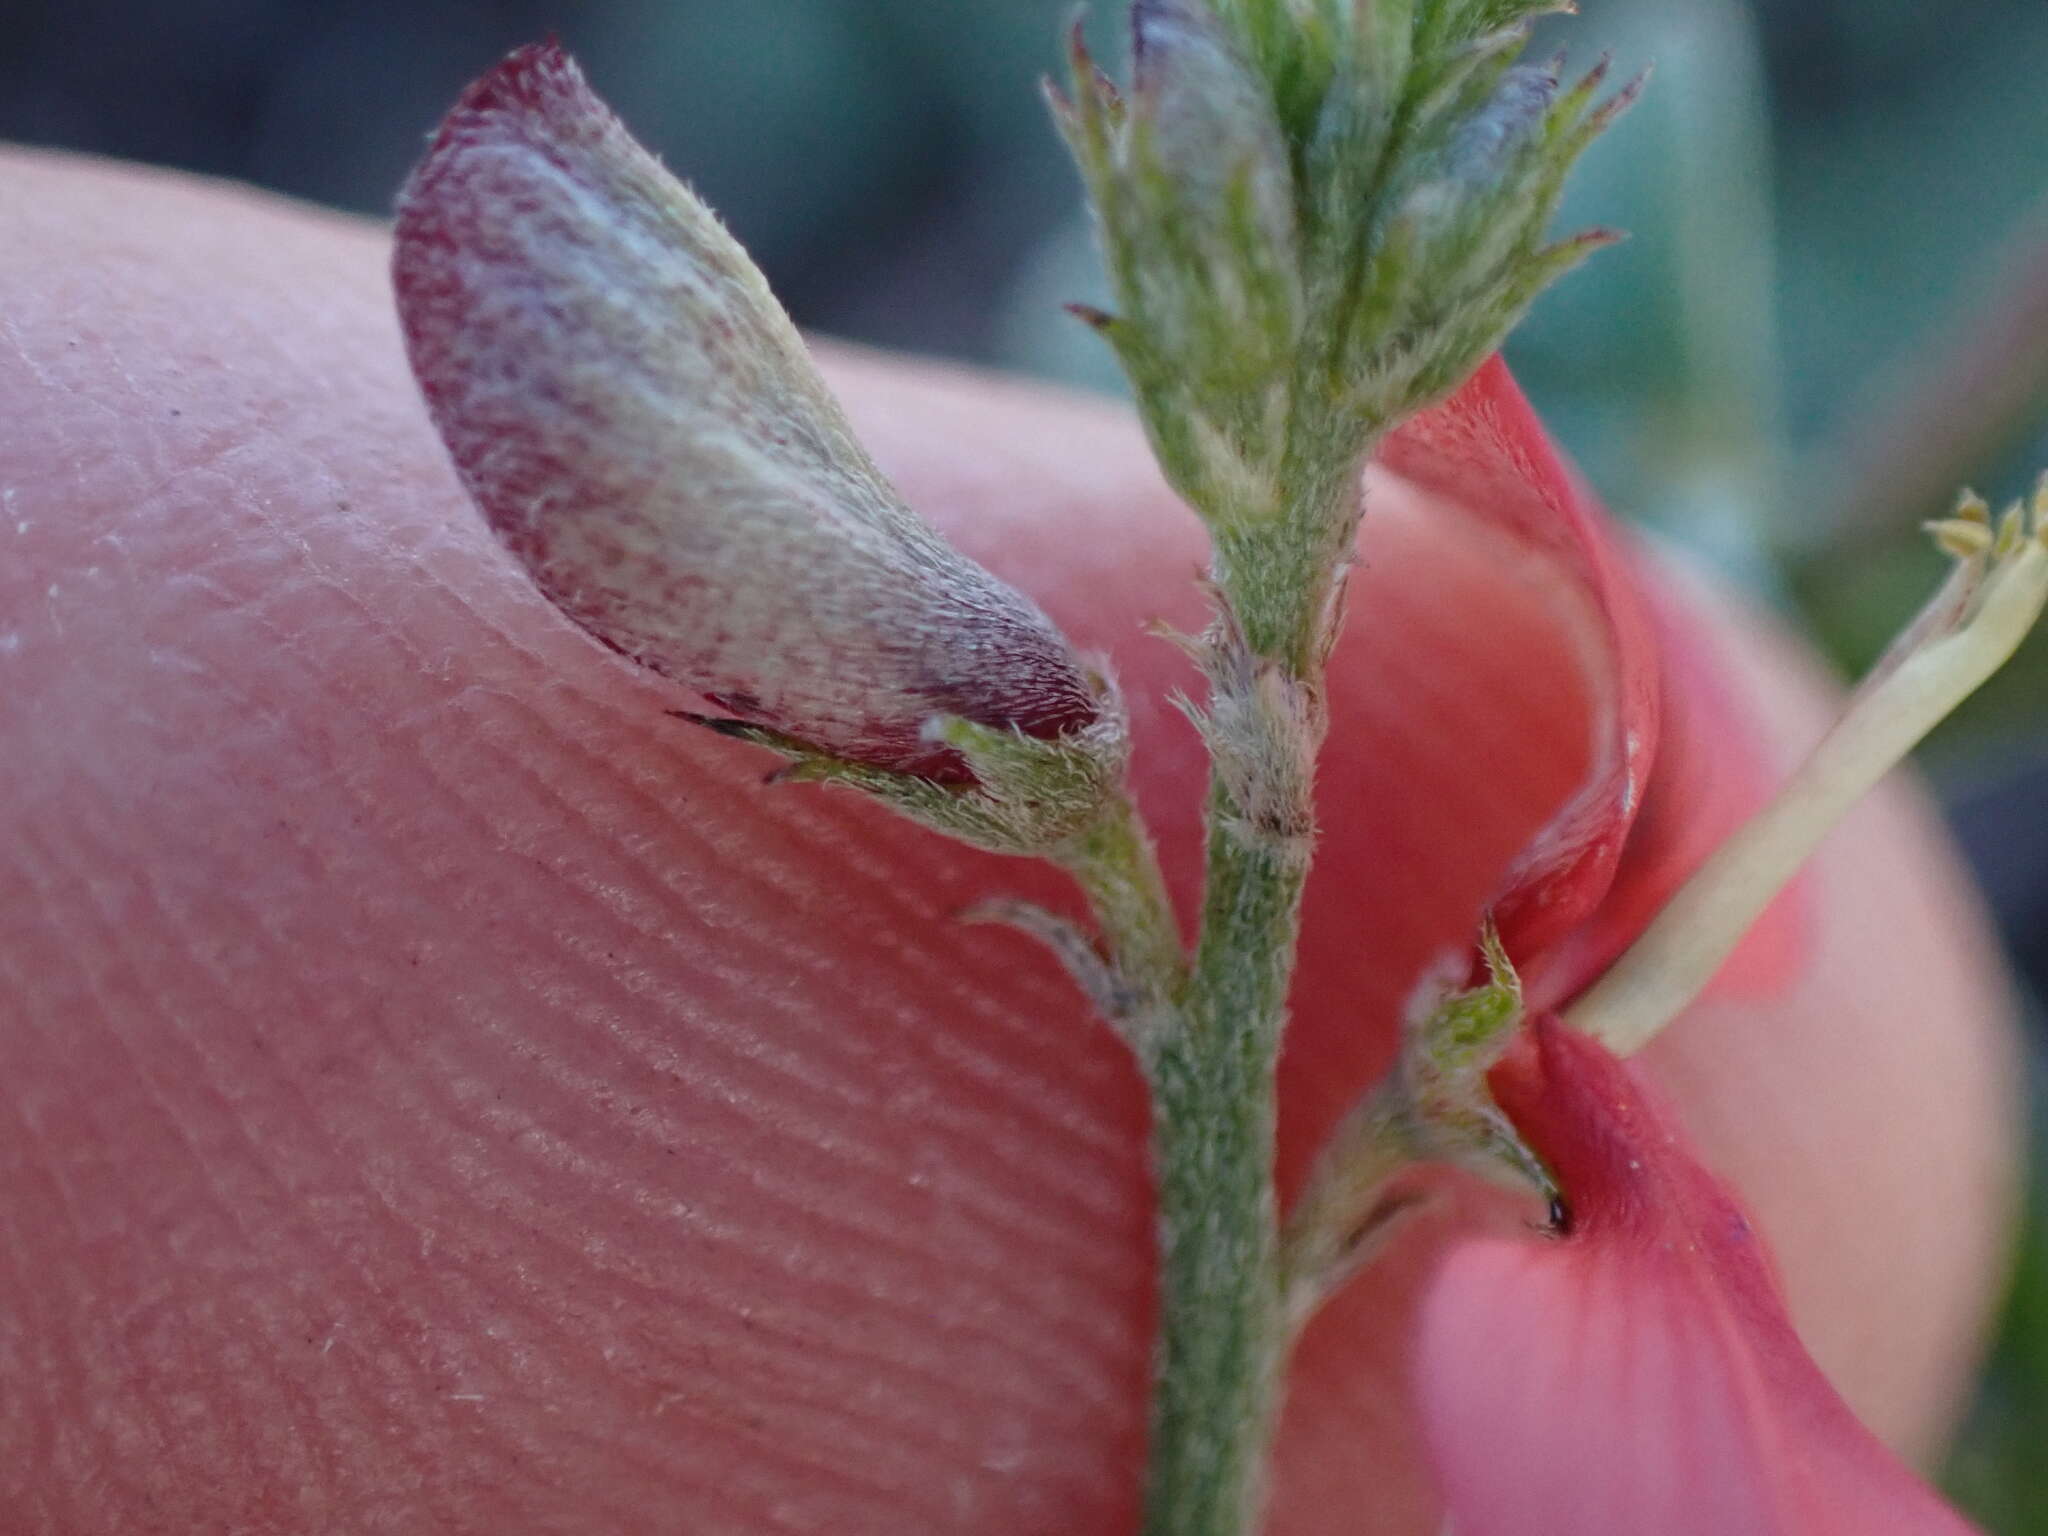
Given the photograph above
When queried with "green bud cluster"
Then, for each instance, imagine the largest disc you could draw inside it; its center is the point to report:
(1319, 216)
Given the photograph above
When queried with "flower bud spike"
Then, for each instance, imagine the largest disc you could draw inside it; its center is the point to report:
(1623, 99)
(643, 429)
(1589, 83)
(1975, 623)
(1208, 119)
(1517, 106)
(1574, 127)
(1471, 74)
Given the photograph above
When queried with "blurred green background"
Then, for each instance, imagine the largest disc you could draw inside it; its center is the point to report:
(1834, 309)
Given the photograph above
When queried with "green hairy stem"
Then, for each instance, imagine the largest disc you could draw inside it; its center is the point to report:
(1318, 218)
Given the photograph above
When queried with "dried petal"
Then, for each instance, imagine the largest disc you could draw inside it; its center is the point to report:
(643, 428)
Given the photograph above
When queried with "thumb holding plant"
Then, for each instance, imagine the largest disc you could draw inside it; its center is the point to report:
(1278, 325)
(586, 750)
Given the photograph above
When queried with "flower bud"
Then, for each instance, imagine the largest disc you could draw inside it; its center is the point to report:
(643, 429)
(1194, 196)
(1211, 121)
(1511, 120)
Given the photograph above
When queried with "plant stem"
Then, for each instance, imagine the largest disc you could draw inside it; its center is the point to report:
(1331, 1227)
(1317, 219)
(1117, 867)
(1219, 1328)
(1223, 1331)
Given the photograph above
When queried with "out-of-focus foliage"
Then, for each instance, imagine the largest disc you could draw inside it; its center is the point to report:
(1995, 1471)
(1836, 297)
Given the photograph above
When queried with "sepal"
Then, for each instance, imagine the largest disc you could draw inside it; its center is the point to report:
(1016, 794)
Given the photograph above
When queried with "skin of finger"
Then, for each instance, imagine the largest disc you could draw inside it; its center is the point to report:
(443, 1092)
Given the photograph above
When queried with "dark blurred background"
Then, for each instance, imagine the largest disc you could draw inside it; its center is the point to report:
(1833, 312)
